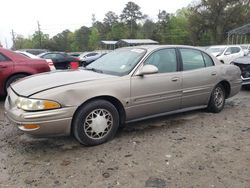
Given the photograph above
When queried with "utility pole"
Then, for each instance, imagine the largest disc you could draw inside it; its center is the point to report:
(39, 33)
(6, 43)
(13, 39)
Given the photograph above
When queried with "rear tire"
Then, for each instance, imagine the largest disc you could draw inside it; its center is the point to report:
(217, 99)
(12, 79)
(95, 123)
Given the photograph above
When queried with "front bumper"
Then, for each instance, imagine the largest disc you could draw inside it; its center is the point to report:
(50, 122)
(245, 81)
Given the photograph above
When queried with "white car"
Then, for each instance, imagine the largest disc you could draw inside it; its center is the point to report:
(226, 54)
(245, 49)
(27, 54)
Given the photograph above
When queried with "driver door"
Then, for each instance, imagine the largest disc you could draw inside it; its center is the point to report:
(160, 92)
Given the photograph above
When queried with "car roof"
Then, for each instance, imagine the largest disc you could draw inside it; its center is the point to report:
(154, 47)
(223, 46)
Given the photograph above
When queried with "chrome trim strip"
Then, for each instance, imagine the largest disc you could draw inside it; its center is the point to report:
(167, 113)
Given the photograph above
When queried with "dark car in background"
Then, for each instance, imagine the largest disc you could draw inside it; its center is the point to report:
(75, 54)
(14, 66)
(244, 64)
(61, 60)
(34, 51)
(89, 57)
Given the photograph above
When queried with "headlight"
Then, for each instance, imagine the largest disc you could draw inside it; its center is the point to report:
(36, 104)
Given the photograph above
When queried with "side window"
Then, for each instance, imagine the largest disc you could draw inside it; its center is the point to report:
(208, 60)
(229, 50)
(235, 50)
(164, 60)
(59, 56)
(91, 54)
(191, 59)
(3, 58)
(48, 56)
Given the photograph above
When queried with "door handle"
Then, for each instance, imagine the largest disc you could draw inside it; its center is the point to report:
(175, 79)
(213, 73)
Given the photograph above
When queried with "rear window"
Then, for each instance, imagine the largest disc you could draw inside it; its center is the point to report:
(3, 58)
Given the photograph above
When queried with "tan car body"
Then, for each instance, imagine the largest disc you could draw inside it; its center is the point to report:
(135, 97)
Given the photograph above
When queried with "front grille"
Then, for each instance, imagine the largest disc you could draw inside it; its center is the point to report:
(245, 69)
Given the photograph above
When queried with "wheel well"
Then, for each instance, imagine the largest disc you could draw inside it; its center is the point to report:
(23, 73)
(227, 87)
(118, 105)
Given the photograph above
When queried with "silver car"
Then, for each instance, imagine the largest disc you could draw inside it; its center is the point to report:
(126, 85)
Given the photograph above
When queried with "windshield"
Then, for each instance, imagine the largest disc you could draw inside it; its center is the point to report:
(119, 62)
(215, 50)
(244, 47)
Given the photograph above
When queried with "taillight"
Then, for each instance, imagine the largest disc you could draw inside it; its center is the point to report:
(74, 65)
(51, 64)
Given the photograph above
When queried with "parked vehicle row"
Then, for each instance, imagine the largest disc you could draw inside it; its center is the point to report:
(226, 54)
(61, 60)
(27, 54)
(126, 85)
(14, 66)
(244, 64)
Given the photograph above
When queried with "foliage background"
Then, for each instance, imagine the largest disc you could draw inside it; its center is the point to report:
(203, 22)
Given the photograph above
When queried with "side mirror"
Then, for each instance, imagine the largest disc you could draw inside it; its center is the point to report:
(147, 69)
(227, 53)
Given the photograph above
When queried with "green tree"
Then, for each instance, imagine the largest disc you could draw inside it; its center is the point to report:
(110, 19)
(130, 15)
(94, 39)
(118, 31)
(36, 37)
(148, 29)
(22, 42)
(81, 39)
(62, 41)
(177, 28)
(212, 19)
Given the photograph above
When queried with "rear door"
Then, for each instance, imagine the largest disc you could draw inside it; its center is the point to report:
(160, 92)
(6, 69)
(199, 76)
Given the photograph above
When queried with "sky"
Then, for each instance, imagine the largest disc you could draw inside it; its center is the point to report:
(55, 16)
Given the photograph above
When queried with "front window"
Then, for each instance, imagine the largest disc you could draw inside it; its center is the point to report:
(164, 60)
(119, 62)
(215, 50)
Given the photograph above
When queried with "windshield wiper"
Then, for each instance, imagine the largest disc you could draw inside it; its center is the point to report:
(94, 70)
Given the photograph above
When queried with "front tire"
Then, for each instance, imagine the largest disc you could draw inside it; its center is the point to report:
(217, 99)
(13, 79)
(95, 122)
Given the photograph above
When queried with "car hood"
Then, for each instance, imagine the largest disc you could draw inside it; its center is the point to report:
(41, 82)
(242, 60)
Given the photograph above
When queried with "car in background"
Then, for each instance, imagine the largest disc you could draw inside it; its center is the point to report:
(61, 60)
(89, 57)
(14, 66)
(245, 49)
(27, 54)
(226, 54)
(126, 85)
(34, 51)
(74, 54)
(244, 64)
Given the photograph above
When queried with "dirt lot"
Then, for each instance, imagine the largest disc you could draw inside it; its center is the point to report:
(195, 149)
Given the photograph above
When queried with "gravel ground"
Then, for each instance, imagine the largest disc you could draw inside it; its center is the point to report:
(194, 149)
